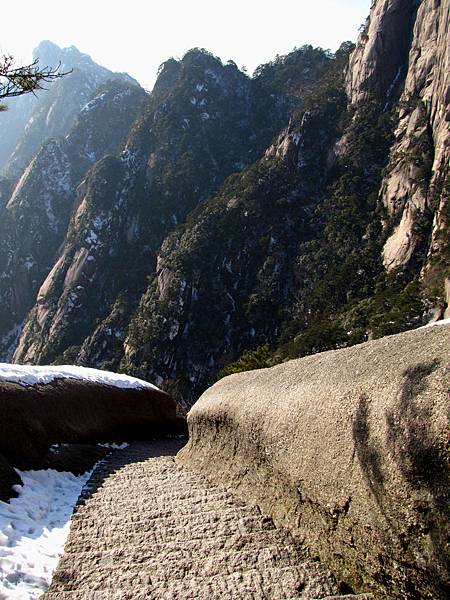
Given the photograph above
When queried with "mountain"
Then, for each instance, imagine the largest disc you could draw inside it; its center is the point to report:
(50, 113)
(201, 124)
(246, 220)
(35, 213)
(307, 249)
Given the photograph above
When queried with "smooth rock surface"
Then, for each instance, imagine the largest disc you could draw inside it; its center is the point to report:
(348, 449)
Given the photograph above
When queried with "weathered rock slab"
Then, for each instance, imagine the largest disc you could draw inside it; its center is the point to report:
(348, 449)
(69, 411)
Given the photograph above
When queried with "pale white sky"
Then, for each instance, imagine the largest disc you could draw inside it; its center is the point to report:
(136, 36)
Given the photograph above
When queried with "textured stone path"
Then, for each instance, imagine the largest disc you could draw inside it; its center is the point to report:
(146, 528)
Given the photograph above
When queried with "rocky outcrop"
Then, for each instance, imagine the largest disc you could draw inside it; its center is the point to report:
(69, 411)
(348, 449)
(378, 63)
(419, 156)
(403, 57)
(402, 60)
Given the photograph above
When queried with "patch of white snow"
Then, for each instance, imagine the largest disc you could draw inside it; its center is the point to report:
(32, 375)
(114, 446)
(33, 531)
(91, 238)
(434, 323)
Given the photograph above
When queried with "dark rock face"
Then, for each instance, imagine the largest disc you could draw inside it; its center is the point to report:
(348, 449)
(68, 411)
(8, 478)
(76, 458)
(380, 60)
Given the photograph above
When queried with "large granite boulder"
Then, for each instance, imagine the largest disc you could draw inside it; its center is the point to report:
(348, 449)
(41, 408)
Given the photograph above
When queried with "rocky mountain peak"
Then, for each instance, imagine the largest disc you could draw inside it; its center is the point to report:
(48, 53)
(30, 120)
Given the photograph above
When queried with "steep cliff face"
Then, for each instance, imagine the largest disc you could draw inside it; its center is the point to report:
(378, 64)
(29, 121)
(406, 47)
(417, 168)
(36, 214)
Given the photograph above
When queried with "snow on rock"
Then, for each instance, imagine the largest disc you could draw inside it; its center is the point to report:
(434, 323)
(33, 531)
(114, 446)
(33, 375)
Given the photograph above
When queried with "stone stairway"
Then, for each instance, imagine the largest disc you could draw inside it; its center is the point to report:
(145, 528)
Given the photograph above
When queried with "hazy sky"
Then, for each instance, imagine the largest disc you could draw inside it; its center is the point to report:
(138, 35)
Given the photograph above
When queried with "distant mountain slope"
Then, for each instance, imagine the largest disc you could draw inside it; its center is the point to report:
(34, 218)
(30, 120)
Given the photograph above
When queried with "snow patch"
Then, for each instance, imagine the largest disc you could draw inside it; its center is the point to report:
(31, 375)
(34, 529)
(93, 103)
(29, 263)
(114, 446)
(434, 323)
(211, 74)
(49, 114)
(91, 238)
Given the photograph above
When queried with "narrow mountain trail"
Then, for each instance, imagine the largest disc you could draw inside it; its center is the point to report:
(146, 528)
